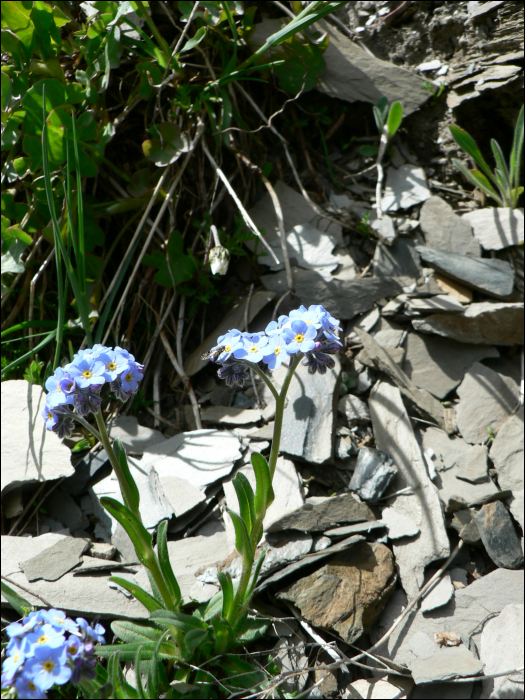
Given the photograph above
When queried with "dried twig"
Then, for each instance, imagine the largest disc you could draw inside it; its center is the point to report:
(185, 379)
(32, 290)
(160, 326)
(156, 388)
(244, 213)
(380, 173)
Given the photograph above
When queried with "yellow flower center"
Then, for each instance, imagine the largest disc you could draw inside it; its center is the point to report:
(50, 415)
(128, 377)
(112, 366)
(16, 657)
(42, 639)
(254, 348)
(86, 373)
(299, 338)
(31, 685)
(228, 348)
(72, 649)
(48, 665)
(277, 351)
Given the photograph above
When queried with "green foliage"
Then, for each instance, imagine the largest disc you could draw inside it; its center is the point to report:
(502, 183)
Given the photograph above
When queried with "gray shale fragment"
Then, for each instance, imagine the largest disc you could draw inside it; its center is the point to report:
(354, 409)
(490, 276)
(500, 656)
(55, 561)
(499, 536)
(320, 516)
(485, 323)
(487, 399)
(398, 259)
(445, 230)
(373, 473)
(496, 227)
(442, 664)
(308, 420)
(506, 452)
(473, 466)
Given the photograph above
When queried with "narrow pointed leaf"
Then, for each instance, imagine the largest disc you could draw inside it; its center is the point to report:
(227, 592)
(138, 675)
(194, 638)
(255, 576)
(127, 651)
(264, 492)
(120, 453)
(153, 674)
(140, 594)
(481, 182)
(395, 116)
(500, 162)
(242, 539)
(139, 535)
(135, 632)
(181, 620)
(380, 113)
(246, 509)
(467, 143)
(165, 564)
(224, 635)
(515, 154)
(21, 605)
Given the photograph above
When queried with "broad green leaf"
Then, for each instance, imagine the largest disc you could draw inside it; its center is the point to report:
(60, 134)
(165, 564)
(140, 594)
(139, 535)
(303, 65)
(264, 492)
(243, 674)
(395, 116)
(195, 40)
(242, 539)
(178, 268)
(150, 77)
(252, 629)
(21, 605)
(56, 94)
(467, 143)
(7, 91)
(182, 621)
(169, 147)
(224, 635)
(245, 498)
(194, 638)
(132, 632)
(227, 593)
(16, 15)
(120, 453)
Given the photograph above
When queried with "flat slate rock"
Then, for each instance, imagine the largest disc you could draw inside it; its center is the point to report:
(309, 416)
(56, 560)
(354, 409)
(74, 594)
(439, 595)
(486, 400)
(440, 302)
(488, 275)
(456, 493)
(329, 513)
(231, 415)
(446, 663)
(499, 536)
(484, 323)
(397, 259)
(444, 450)
(464, 615)
(398, 524)
(496, 227)
(395, 436)
(445, 230)
(353, 75)
(347, 594)
(506, 452)
(439, 364)
(405, 187)
(473, 465)
(500, 656)
(135, 437)
(344, 299)
(29, 452)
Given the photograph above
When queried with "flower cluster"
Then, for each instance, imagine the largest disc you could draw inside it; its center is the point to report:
(47, 648)
(77, 386)
(311, 331)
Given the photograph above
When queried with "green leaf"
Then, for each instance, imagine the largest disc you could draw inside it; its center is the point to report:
(139, 535)
(242, 539)
(16, 15)
(56, 94)
(246, 500)
(7, 91)
(224, 635)
(132, 632)
(380, 113)
(177, 268)
(367, 151)
(467, 143)
(120, 453)
(195, 40)
(128, 651)
(180, 620)
(169, 147)
(515, 154)
(60, 134)
(227, 592)
(138, 675)
(255, 576)
(253, 628)
(165, 564)
(243, 674)
(263, 492)
(193, 639)
(395, 117)
(140, 594)
(21, 605)
(501, 165)
(303, 65)
(478, 179)
(153, 674)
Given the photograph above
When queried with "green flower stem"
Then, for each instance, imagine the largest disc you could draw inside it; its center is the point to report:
(279, 412)
(124, 486)
(247, 563)
(88, 426)
(151, 24)
(263, 376)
